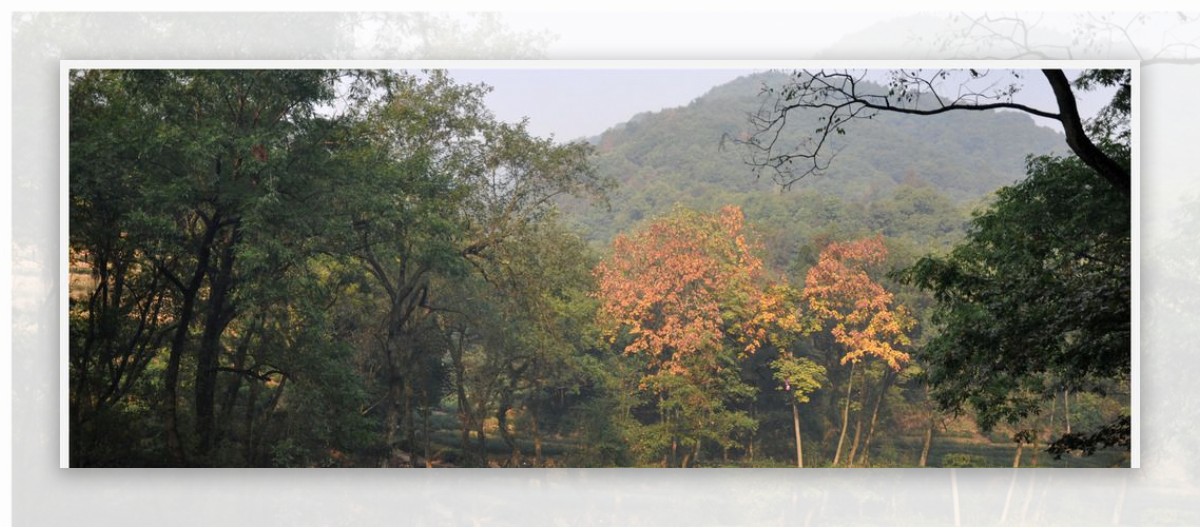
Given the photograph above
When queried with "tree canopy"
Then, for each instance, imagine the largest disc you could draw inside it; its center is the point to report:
(1036, 299)
(347, 268)
(247, 228)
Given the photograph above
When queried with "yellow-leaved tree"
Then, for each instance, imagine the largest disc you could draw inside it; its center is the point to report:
(861, 316)
(687, 296)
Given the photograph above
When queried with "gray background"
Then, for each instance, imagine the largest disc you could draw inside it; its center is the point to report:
(1164, 491)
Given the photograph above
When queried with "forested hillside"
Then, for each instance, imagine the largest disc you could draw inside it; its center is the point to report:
(685, 155)
(342, 268)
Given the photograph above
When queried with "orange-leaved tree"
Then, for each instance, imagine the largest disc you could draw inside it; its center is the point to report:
(688, 296)
(859, 313)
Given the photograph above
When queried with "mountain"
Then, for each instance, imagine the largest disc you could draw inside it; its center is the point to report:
(675, 156)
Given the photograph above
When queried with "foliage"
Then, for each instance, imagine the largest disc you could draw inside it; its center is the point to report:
(1116, 433)
(1111, 126)
(673, 156)
(236, 233)
(840, 292)
(1039, 291)
(799, 376)
(963, 460)
(686, 295)
(682, 286)
(333, 268)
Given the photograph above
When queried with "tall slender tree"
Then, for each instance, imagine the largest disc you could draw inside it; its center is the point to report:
(859, 313)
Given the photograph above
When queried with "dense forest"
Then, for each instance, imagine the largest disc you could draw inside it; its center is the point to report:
(342, 268)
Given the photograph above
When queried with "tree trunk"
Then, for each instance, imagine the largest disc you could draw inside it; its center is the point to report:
(1091, 155)
(465, 419)
(502, 409)
(269, 410)
(171, 380)
(928, 442)
(750, 446)
(537, 431)
(410, 427)
(217, 318)
(403, 301)
(391, 415)
(1033, 454)
(858, 420)
(888, 378)
(687, 456)
(675, 452)
(837, 454)
(225, 426)
(864, 396)
(425, 435)
(1017, 458)
(796, 426)
(481, 443)
(179, 341)
(1067, 408)
(480, 413)
(248, 421)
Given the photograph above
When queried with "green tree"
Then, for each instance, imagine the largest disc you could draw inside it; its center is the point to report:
(800, 376)
(412, 162)
(546, 277)
(520, 328)
(215, 179)
(441, 186)
(1037, 299)
(235, 234)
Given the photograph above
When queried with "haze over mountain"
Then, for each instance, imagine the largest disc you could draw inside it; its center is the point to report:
(675, 156)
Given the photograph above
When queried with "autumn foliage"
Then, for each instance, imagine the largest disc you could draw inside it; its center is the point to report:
(684, 285)
(840, 292)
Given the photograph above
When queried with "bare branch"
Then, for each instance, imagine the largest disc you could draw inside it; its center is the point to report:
(831, 100)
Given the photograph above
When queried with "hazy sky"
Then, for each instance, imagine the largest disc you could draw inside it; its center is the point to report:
(575, 103)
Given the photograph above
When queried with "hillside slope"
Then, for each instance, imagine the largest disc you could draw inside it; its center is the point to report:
(674, 156)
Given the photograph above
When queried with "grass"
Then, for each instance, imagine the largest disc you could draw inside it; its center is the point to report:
(901, 451)
(996, 454)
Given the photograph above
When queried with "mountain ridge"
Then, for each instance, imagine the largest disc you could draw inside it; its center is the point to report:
(675, 156)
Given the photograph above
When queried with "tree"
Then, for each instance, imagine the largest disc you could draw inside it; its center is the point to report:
(411, 165)
(214, 181)
(548, 281)
(800, 376)
(115, 325)
(1023, 251)
(859, 313)
(674, 285)
(236, 235)
(525, 323)
(834, 99)
(439, 184)
(1036, 300)
(686, 296)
